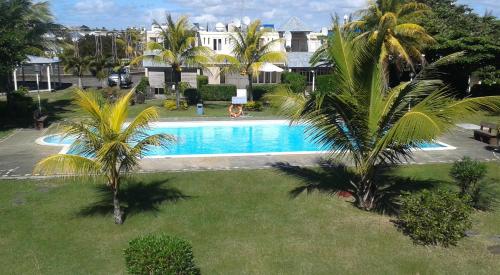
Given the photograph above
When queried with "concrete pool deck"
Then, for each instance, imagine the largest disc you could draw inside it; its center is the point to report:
(19, 153)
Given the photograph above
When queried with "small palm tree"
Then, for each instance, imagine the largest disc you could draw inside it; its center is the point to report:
(361, 118)
(177, 49)
(104, 144)
(100, 66)
(250, 52)
(77, 65)
(389, 24)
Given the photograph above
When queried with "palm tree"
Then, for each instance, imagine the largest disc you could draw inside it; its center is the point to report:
(75, 64)
(100, 66)
(104, 145)
(250, 52)
(177, 49)
(362, 119)
(389, 24)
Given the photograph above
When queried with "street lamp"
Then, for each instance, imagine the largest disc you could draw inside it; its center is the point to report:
(313, 80)
(37, 72)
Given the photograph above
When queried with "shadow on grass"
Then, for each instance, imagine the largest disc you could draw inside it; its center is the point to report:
(135, 198)
(20, 114)
(334, 179)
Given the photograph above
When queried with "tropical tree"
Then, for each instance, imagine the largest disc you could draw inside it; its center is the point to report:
(250, 52)
(177, 49)
(457, 27)
(392, 23)
(74, 63)
(360, 118)
(104, 145)
(100, 66)
(24, 25)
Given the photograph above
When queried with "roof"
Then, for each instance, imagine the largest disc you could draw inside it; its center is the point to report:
(298, 59)
(294, 24)
(41, 60)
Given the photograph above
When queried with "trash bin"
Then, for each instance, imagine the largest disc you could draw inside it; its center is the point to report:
(199, 109)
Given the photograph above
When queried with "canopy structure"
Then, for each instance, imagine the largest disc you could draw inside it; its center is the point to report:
(269, 67)
(39, 65)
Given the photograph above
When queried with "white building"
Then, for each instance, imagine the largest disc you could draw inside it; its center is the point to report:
(295, 38)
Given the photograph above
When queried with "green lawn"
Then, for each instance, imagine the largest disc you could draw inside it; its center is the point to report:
(239, 222)
(59, 106)
(482, 116)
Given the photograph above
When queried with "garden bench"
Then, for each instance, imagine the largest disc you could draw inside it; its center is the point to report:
(489, 136)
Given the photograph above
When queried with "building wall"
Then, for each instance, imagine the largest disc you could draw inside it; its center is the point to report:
(189, 77)
(213, 74)
(240, 81)
(156, 78)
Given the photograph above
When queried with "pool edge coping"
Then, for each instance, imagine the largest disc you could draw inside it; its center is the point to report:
(66, 147)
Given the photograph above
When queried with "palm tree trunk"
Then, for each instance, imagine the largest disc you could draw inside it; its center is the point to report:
(117, 212)
(366, 191)
(250, 87)
(177, 89)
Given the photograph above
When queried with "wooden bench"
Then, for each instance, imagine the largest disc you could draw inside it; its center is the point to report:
(490, 136)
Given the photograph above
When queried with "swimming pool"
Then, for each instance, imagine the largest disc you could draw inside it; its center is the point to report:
(230, 138)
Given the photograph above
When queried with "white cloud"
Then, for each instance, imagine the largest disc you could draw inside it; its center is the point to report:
(210, 18)
(94, 6)
(157, 14)
(269, 14)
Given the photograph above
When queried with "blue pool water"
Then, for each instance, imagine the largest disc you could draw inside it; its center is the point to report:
(231, 139)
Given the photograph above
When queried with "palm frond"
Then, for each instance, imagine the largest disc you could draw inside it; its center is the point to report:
(67, 165)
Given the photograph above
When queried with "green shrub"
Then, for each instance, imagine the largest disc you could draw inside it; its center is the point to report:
(201, 80)
(260, 90)
(21, 104)
(23, 90)
(253, 106)
(171, 105)
(183, 86)
(160, 254)
(467, 173)
(222, 92)
(192, 96)
(143, 85)
(296, 81)
(439, 217)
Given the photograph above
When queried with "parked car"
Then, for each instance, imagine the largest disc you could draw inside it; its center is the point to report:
(126, 80)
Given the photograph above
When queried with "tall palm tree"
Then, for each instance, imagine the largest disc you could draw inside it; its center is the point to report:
(100, 66)
(250, 52)
(360, 118)
(177, 49)
(75, 64)
(104, 144)
(390, 24)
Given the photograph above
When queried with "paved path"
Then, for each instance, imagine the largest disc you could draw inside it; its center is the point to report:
(19, 153)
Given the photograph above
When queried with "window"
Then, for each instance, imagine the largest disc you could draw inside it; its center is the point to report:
(217, 44)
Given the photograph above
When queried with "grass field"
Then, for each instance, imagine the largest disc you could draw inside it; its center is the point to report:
(239, 222)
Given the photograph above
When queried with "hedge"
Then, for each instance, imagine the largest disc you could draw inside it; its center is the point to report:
(296, 81)
(259, 90)
(192, 96)
(222, 92)
(201, 80)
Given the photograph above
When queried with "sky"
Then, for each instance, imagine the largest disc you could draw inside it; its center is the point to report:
(120, 14)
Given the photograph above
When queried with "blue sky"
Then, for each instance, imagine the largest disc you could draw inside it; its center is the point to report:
(123, 13)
